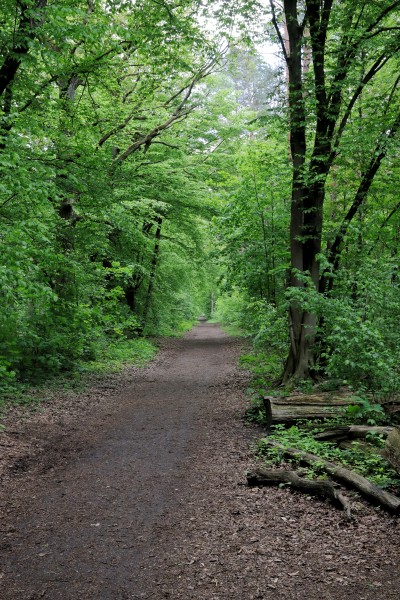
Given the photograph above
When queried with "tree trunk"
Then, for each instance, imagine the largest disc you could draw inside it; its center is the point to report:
(302, 331)
(152, 270)
(26, 29)
(345, 432)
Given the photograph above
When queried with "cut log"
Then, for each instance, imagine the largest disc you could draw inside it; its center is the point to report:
(392, 449)
(368, 489)
(288, 409)
(324, 489)
(344, 432)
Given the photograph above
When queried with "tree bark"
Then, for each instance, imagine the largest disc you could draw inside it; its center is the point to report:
(25, 32)
(22, 38)
(345, 432)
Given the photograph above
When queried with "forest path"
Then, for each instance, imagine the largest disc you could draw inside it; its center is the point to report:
(139, 496)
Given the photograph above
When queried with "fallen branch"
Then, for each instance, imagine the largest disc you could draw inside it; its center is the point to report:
(342, 432)
(369, 490)
(324, 489)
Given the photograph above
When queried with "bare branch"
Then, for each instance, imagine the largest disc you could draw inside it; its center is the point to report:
(278, 31)
(147, 139)
(116, 129)
(179, 114)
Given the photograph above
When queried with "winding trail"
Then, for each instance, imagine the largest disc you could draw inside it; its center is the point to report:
(141, 496)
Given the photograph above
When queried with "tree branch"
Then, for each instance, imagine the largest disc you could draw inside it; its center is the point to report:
(278, 31)
(376, 67)
(146, 139)
(8, 199)
(24, 34)
(166, 144)
(376, 159)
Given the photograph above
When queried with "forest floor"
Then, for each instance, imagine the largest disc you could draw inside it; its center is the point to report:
(135, 488)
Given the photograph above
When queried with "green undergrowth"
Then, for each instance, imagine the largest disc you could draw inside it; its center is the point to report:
(180, 328)
(137, 351)
(364, 458)
(367, 462)
(111, 358)
(264, 368)
(233, 330)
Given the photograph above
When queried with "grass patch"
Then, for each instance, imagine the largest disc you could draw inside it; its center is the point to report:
(232, 330)
(137, 351)
(265, 369)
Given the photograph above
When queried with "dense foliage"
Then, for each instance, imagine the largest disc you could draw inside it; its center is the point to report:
(148, 164)
(332, 249)
(102, 204)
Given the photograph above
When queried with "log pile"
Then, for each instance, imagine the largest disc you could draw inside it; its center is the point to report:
(349, 478)
(289, 409)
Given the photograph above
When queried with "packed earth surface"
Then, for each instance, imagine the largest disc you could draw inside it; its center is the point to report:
(136, 488)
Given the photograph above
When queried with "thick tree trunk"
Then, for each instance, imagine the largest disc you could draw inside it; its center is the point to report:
(23, 36)
(302, 332)
(298, 358)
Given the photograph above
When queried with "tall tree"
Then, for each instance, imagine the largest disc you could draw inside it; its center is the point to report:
(348, 44)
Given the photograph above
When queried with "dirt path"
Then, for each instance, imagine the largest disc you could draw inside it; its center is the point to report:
(135, 490)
